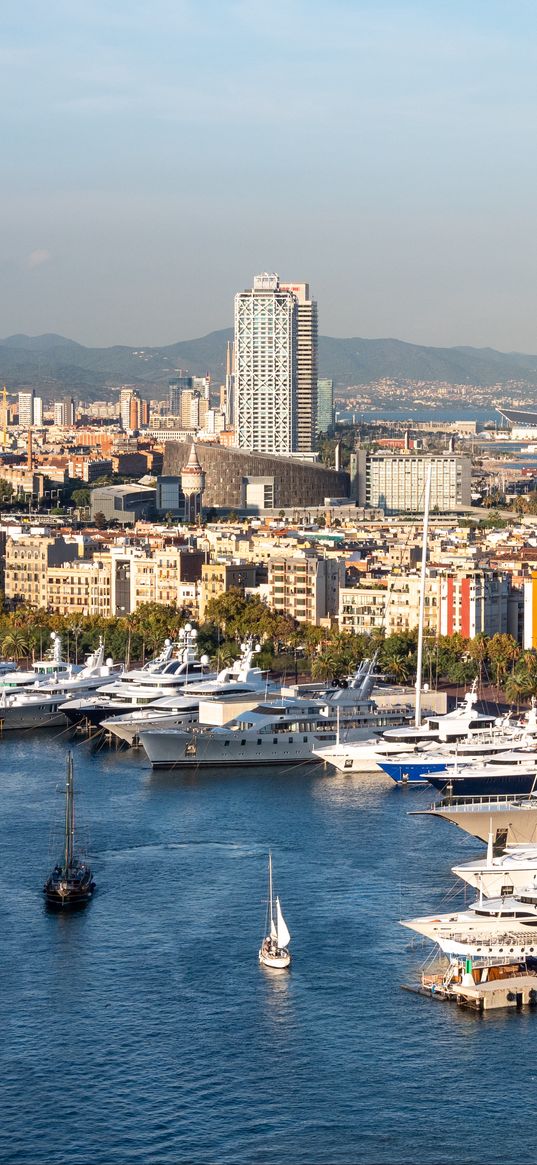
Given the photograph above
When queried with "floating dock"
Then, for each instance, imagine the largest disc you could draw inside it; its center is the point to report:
(482, 986)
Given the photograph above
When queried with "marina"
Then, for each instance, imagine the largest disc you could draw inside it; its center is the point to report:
(179, 1028)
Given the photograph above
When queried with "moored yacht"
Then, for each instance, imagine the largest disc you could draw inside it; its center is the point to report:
(240, 680)
(41, 704)
(276, 731)
(498, 874)
(491, 927)
(511, 819)
(52, 666)
(167, 674)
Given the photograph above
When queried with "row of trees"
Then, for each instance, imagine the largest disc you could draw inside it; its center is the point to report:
(287, 647)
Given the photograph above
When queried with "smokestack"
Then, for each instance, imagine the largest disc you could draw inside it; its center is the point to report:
(407, 441)
(30, 460)
(451, 446)
(337, 456)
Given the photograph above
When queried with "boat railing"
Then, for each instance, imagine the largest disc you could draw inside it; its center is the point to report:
(474, 803)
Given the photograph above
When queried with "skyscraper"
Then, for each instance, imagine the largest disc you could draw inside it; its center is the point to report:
(306, 367)
(275, 382)
(325, 406)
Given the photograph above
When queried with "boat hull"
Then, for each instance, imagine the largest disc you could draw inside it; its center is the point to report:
(413, 772)
(485, 784)
(18, 718)
(183, 750)
(275, 962)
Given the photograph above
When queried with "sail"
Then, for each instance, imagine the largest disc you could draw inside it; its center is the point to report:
(281, 926)
(273, 931)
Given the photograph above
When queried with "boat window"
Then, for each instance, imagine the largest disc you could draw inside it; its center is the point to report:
(243, 742)
(305, 739)
(348, 764)
(258, 741)
(226, 743)
(275, 740)
(290, 740)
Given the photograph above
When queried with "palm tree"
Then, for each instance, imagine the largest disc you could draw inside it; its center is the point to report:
(14, 644)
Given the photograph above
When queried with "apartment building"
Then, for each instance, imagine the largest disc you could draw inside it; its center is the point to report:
(81, 588)
(305, 587)
(219, 577)
(27, 561)
(389, 604)
(474, 601)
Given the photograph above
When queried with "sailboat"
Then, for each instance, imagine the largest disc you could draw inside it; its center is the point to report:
(71, 881)
(274, 950)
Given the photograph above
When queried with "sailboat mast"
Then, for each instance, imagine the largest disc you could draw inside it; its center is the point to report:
(423, 580)
(270, 890)
(69, 815)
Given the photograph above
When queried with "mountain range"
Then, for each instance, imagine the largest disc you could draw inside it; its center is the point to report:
(54, 364)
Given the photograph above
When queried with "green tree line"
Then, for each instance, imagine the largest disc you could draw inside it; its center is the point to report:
(288, 647)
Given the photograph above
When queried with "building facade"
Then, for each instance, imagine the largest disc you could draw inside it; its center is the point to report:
(325, 405)
(305, 587)
(395, 482)
(275, 370)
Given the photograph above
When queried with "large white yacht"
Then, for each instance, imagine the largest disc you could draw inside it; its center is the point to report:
(498, 874)
(276, 731)
(52, 666)
(175, 667)
(512, 819)
(491, 927)
(241, 679)
(41, 704)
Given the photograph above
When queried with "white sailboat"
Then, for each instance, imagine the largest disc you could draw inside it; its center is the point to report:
(274, 950)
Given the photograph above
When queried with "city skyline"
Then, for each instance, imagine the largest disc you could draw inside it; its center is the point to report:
(151, 161)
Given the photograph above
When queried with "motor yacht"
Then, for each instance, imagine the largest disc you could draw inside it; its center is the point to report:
(511, 819)
(491, 927)
(240, 679)
(41, 704)
(52, 666)
(459, 724)
(166, 675)
(498, 874)
(282, 730)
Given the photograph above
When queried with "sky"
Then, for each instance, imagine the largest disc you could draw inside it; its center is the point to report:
(156, 156)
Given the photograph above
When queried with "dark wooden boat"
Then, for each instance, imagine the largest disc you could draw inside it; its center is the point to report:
(71, 881)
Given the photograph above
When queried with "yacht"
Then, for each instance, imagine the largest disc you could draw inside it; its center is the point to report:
(513, 820)
(52, 666)
(394, 759)
(491, 927)
(241, 679)
(277, 731)
(498, 874)
(460, 724)
(482, 767)
(165, 675)
(42, 704)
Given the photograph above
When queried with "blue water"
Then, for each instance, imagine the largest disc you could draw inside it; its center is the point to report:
(144, 1030)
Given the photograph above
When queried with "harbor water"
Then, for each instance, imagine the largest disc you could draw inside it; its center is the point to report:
(143, 1029)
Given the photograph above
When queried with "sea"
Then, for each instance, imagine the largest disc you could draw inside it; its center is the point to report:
(143, 1029)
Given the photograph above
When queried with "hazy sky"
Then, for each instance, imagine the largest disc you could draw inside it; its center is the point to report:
(155, 156)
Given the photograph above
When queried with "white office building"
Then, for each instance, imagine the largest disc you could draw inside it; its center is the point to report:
(395, 482)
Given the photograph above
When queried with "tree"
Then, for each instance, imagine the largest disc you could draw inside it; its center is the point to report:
(100, 521)
(15, 644)
(6, 491)
(503, 651)
(80, 498)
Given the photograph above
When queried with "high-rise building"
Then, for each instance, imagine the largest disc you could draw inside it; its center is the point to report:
(38, 411)
(26, 408)
(64, 412)
(125, 397)
(306, 368)
(275, 380)
(325, 406)
(177, 384)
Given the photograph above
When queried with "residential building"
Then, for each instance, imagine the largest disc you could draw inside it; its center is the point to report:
(305, 586)
(391, 605)
(38, 412)
(395, 482)
(219, 577)
(177, 384)
(26, 408)
(28, 558)
(82, 588)
(477, 601)
(275, 378)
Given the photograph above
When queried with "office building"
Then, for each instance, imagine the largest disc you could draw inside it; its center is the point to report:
(325, 405)
(177, 384)
(395, 482)
(275, 377)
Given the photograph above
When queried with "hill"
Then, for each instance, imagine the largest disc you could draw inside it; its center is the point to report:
(53, 363)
